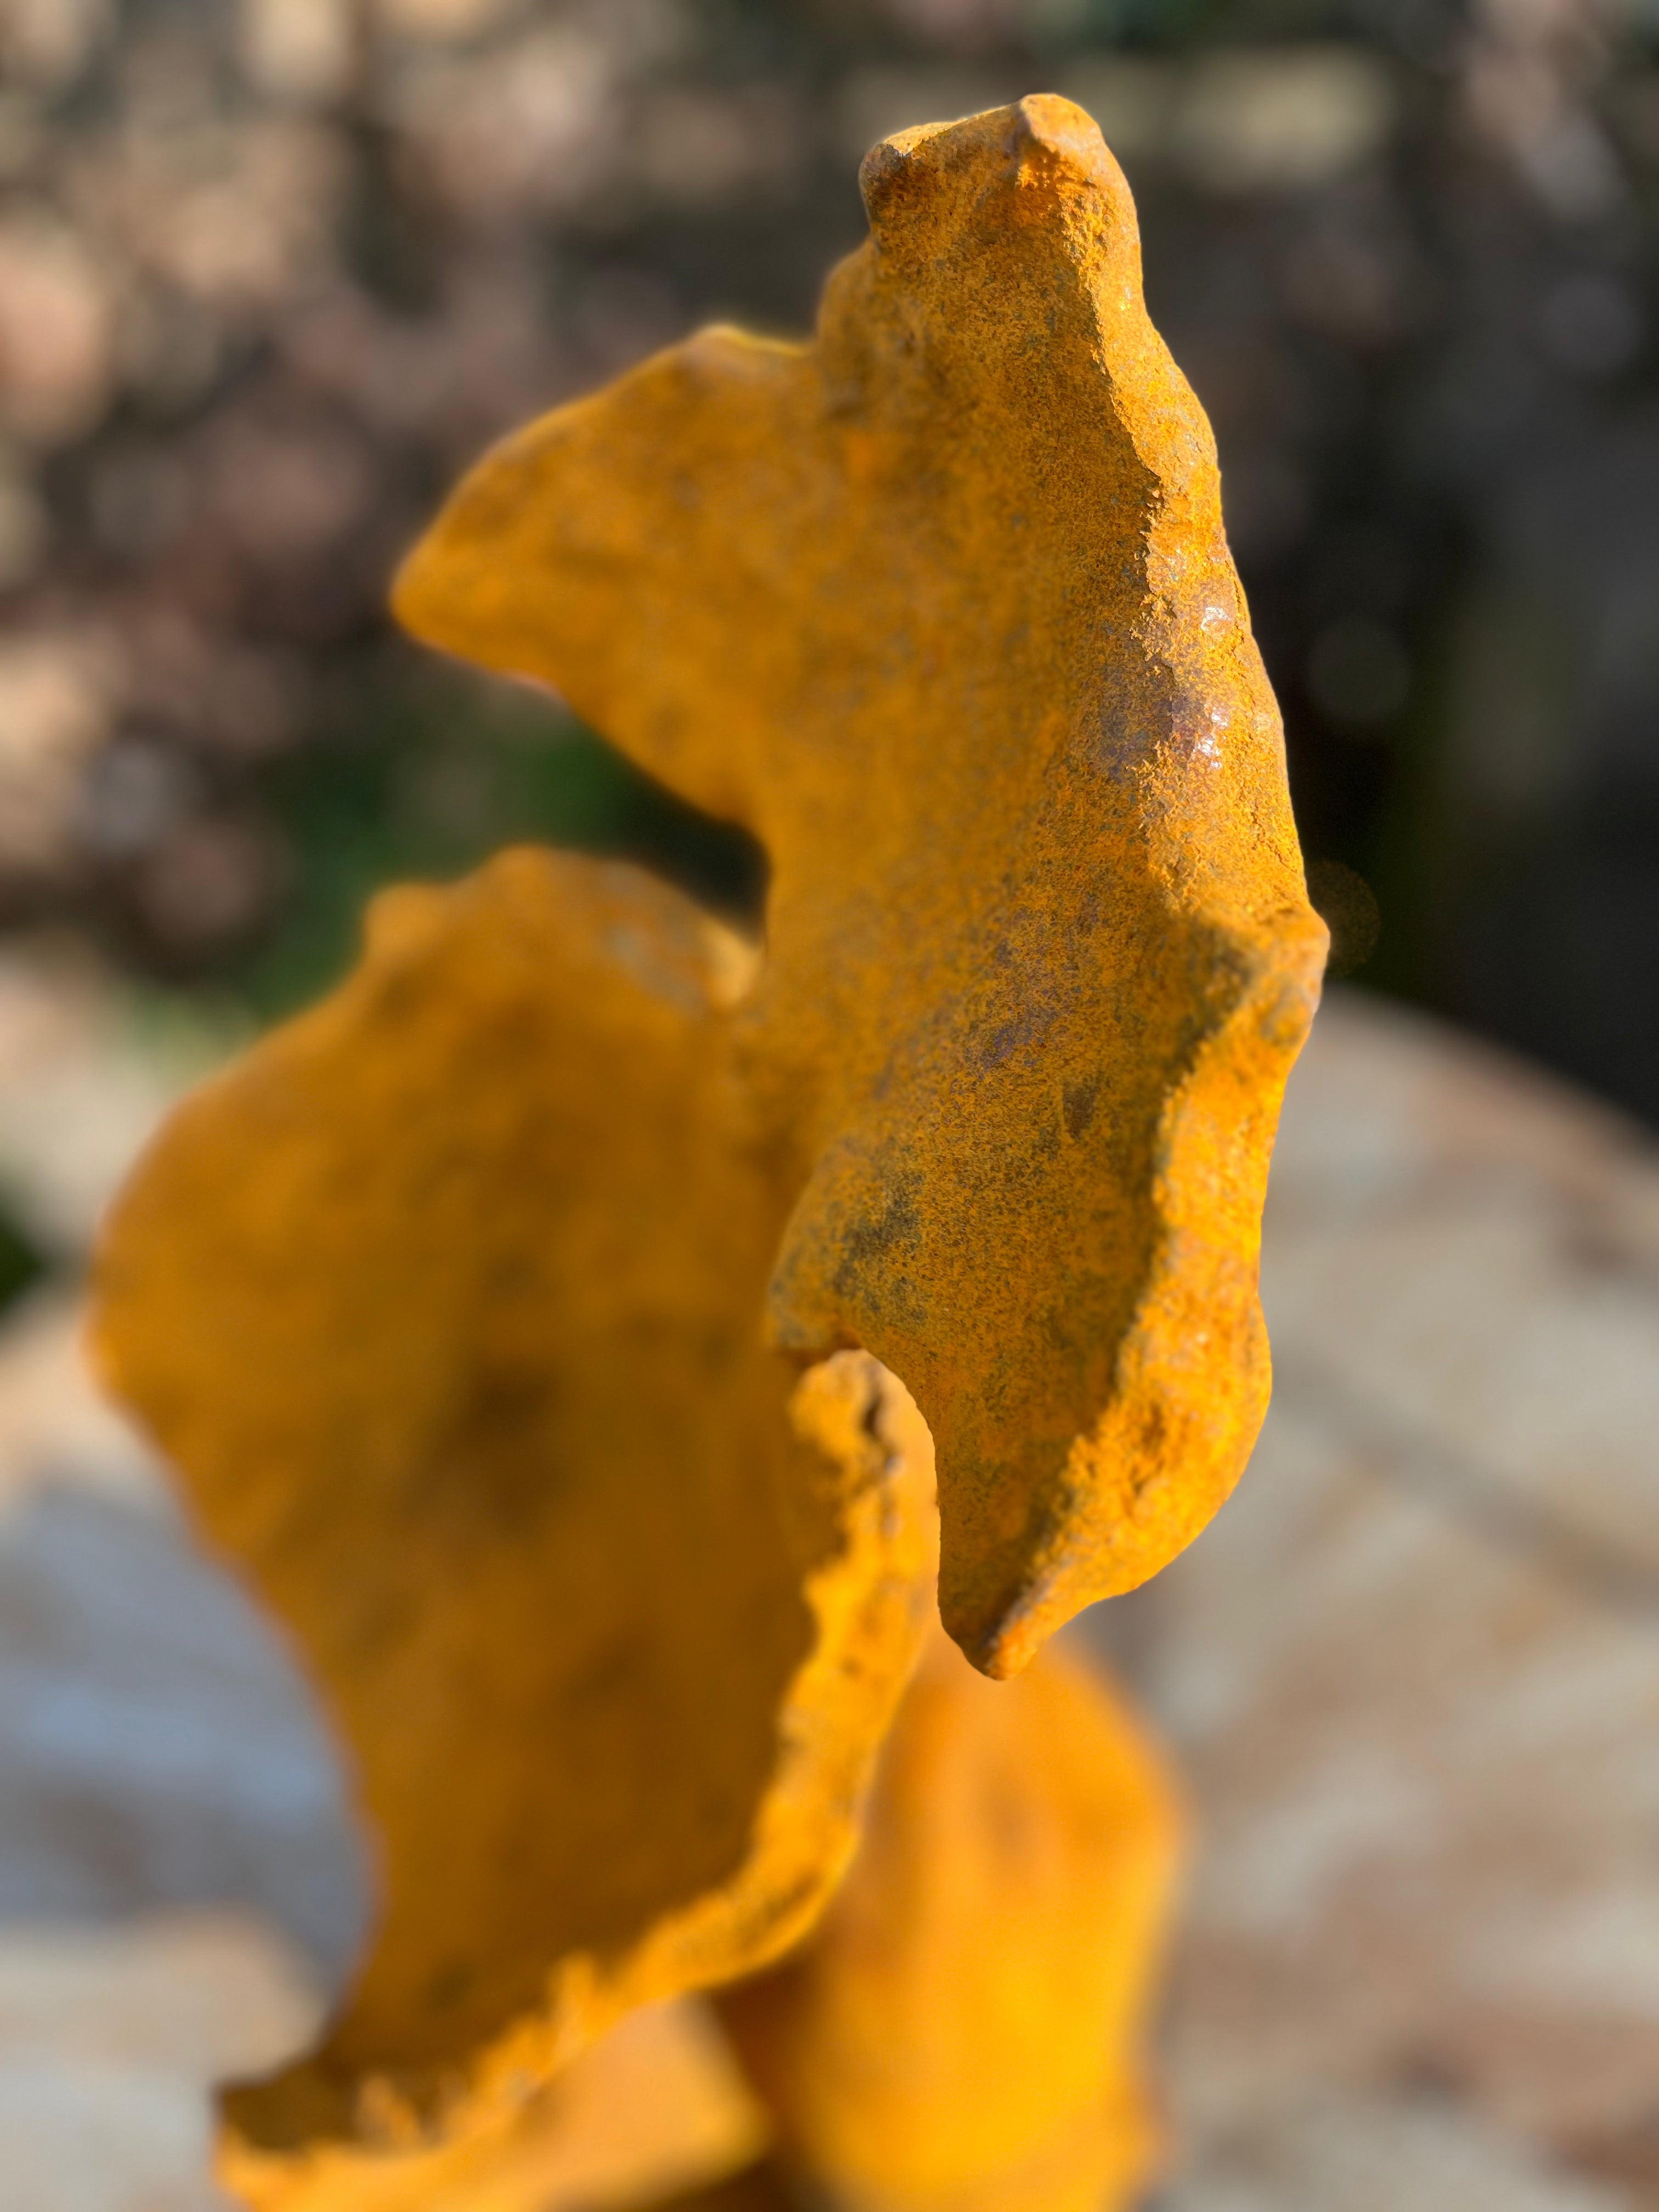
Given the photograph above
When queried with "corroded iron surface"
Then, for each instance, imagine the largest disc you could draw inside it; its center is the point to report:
(963, 2031)
(939, 606)
(452, 1301)
(611, 1609)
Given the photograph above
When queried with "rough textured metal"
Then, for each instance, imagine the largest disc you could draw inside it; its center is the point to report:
(448, 1301)
(963, 2031)
(939, 606)
(611, 1610)
(1406, 1968)
(655, 2107)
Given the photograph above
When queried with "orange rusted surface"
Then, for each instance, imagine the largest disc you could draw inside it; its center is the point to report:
(939, 606)
(963, 2031)
(444, 1300)
(459, 1302)
(760, 2188)
(653, 2106)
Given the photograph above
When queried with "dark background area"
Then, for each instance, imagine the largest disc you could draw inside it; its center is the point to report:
(271, 273)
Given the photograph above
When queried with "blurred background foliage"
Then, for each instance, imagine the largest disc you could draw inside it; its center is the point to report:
(271, 271)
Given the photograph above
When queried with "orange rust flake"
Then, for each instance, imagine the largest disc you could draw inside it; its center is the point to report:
(939, 606)
(963, 2031)
(444, 1301)
(654, 2103)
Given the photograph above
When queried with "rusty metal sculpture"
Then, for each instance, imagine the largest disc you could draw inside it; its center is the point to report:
(962, 2031)
(940, 608)
(495, 1432)
(471, 1306)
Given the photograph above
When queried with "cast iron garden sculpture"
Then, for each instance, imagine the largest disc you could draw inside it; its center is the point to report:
(542, 1321)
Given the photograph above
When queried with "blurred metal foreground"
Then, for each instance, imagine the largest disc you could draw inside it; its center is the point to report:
(1411, 1670)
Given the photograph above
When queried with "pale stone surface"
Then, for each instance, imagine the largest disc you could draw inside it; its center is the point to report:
(109, 2039)
(157, 1753)
(1411, 1668)
(84, 1078)
(1381, 2155)
(178, 1883)
(55, 1423)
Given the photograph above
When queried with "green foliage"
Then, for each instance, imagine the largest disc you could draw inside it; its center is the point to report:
(423, 777)
(20, 1265)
